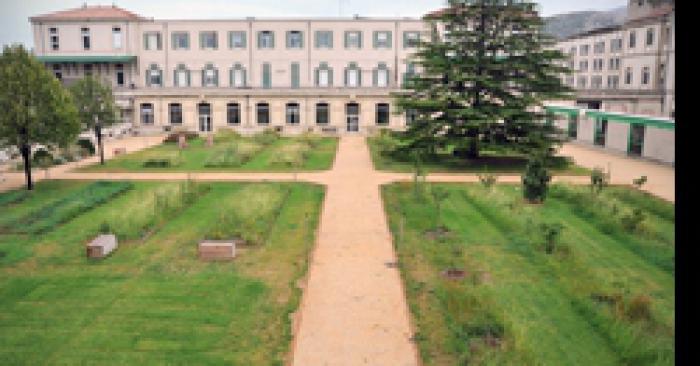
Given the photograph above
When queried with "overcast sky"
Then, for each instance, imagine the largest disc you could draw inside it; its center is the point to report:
(14, 14)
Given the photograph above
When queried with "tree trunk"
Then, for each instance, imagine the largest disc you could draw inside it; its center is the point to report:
(26, 151)
(98, 135)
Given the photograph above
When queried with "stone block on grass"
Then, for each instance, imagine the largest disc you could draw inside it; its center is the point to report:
(217, 250)
(101, 246)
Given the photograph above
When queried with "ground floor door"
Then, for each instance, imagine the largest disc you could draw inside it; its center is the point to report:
(573, 127)
(352, 113)
(204, 110)
(601, 130)
(636, 142)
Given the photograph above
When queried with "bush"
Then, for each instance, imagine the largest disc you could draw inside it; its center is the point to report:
(487, 180)
(226, 135)
(105, 228)
(42, 158)
(639, 308)
(267, 137)
(633, 221)
(87, 146)
(535, 180)
(639, 182)
(598, 180)
(551, 233)
(175, 136)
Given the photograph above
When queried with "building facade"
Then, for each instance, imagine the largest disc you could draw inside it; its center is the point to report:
(297, 75)
(628, 68)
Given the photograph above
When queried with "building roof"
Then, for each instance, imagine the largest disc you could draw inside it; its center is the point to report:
(97, 12)
(593, 32)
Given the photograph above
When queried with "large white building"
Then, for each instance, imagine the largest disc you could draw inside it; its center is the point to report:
(628, 68)
(295, 74)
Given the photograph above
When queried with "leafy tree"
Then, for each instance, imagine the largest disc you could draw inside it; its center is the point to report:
(95, 104)
(482, 83)
(35, 107)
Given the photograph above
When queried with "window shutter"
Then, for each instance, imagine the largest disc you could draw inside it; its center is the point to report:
(188, 77)
(160, 77)
(201, 40)
(148, 77)
(145, 41)
(173, 41)
(289, 39)
(259, 39)
(244, 82)
(330, 39)
(330, 77)
(375, 39)
(175, 78)
(359, 39)
(272, 38)
(230, 77)
(216, 77)
(159, 42)
(374, 77)
(187, 41)
(346, 76)
(347, 38)
(359, 77)
(203, 78)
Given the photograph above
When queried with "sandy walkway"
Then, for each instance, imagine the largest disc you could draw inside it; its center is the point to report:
(353, 311)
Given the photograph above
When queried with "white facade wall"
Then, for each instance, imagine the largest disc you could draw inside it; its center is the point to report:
(617, 137)
(660, 144)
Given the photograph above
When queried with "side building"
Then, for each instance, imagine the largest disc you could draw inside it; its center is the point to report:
(624, 82)
(296, 75)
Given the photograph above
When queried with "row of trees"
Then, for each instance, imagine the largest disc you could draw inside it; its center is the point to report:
(36, 109)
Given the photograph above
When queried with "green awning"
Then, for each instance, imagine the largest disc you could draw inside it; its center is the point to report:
(569, 111)
(627, 118)
(87, 59)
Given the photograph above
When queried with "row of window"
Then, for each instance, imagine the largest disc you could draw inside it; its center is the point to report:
(54, 40)
(294, 39)
(616, 44)
(614, 80)
(323, 75)
(233, 113)
(599, 65)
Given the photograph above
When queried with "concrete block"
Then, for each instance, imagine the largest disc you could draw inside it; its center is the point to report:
(101, 246)
(211, 250)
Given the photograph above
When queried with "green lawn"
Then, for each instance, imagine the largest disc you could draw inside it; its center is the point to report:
(491, 161)
(604, 296)
(229, 153)
(152, 301)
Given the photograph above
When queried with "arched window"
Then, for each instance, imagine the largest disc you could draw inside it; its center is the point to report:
(154, 76)
(353, 76)
(292, 113)
(181, 76)
(263, 113)
(210, 76)
(323, 75)
(238, 76)
(380, 76)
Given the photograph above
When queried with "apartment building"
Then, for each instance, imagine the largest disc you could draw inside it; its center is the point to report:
(628, 68)
(325, 75)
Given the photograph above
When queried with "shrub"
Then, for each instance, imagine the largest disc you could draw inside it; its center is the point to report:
(226, 135)
(157, 163)
(87, 146)
(105, 228)
(551, 233)
(175, 136)
(267, 137)
(632, 221)
(386, 142)
(310, 139)
(487, 180)
(535, 180)
(639, 182)
(598, 180)
(42, 157)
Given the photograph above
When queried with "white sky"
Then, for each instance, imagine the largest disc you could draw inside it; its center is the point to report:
(14, 14)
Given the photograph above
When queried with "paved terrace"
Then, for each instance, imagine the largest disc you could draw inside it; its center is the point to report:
(353, 310)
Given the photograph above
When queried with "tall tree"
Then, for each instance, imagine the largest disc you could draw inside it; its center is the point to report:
(95, 104)
(483, 77)
(36, 109)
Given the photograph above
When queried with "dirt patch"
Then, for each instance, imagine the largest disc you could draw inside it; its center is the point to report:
(454, 273)
(438, 233)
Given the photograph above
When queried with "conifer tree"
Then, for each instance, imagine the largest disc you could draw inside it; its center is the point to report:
(482, 79)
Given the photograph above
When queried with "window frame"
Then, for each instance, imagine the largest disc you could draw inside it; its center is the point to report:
(289, 38)
(85, 38)
(151, 114)
(317, 39)
(375, 40)
(117, 36)
(236, 120)
(172, 113)
(54, 40)
(147, 44)
(347, 42)
(262, 107)
(407, 40)
(176, 37)
(382, 113)
(261, 38)
(202, 40)
(244, 40)
(320, 106)
(292, 113)
(181, 68)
